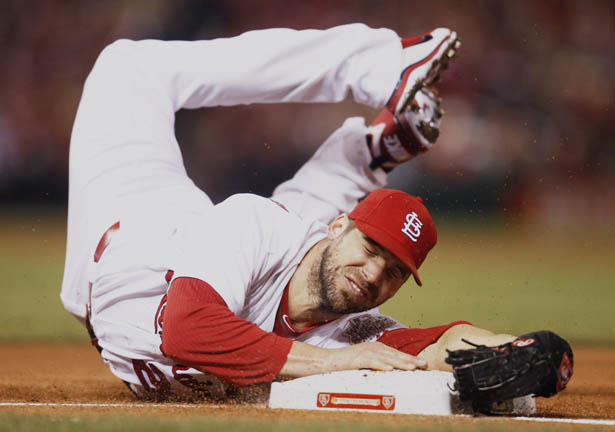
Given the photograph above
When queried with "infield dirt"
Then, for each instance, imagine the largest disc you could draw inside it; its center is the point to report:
(70, 373)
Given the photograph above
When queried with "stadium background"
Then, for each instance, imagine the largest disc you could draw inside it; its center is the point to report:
(527, 144)
(529, 128)
(520, 181)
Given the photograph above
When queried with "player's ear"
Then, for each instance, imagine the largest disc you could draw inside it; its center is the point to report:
(338, 226)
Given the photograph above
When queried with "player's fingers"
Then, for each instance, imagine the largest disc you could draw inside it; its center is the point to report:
(382, 366)
(404, 363)
(401, 360)
(389, 364)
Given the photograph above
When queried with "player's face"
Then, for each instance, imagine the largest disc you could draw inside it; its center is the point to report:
(357, 274)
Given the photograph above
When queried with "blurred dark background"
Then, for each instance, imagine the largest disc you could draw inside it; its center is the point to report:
(529, 130)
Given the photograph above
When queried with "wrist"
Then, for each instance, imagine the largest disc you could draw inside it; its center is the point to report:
(304, 359)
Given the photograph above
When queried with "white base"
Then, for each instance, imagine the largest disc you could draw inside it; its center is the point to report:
(401, 392)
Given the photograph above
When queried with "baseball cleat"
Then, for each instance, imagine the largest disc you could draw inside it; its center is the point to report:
(424, 57)
(395, 138)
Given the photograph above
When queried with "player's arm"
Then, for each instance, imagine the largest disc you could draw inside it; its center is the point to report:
(201, 332)
(429, 344)
(453, 339)
(304, 359)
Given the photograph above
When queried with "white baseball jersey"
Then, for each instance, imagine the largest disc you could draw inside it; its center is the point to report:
(126, 166)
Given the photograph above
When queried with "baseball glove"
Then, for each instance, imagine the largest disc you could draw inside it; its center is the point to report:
(537, 363)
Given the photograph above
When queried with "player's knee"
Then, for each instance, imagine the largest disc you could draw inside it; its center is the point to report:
(116, 54)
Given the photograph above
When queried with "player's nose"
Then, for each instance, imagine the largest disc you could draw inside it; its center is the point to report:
(374, 270)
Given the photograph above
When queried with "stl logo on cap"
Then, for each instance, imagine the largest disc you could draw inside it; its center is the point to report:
(399, 223)
(412, 227)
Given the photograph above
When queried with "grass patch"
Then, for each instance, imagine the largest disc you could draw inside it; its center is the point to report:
(515, 281)
(31, 264)
(507, 279)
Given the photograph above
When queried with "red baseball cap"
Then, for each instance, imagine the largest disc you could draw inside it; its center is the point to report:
(398, 222)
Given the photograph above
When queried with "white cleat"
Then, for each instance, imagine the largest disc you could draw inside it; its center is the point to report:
(424, 57)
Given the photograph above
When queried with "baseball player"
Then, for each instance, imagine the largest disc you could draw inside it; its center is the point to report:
(185, 298)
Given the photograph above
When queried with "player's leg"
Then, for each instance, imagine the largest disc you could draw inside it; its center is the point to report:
(124, 134)
(334, 178)
(452, 339)
(160, 379)
(354, 160)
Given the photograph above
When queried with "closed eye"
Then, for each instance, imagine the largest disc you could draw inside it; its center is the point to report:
(395, 273)
(369, 251)
(373, 249)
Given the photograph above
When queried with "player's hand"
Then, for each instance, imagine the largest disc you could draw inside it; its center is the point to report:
(304, 359)
(373, 355)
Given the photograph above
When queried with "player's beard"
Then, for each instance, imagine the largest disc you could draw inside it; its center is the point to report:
(324, 278)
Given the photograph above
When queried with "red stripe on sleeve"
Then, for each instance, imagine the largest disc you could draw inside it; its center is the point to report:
(200, 331)
(412, 340)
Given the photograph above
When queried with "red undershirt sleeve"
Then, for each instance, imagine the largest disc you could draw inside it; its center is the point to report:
(201, 332)
(411, 340)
